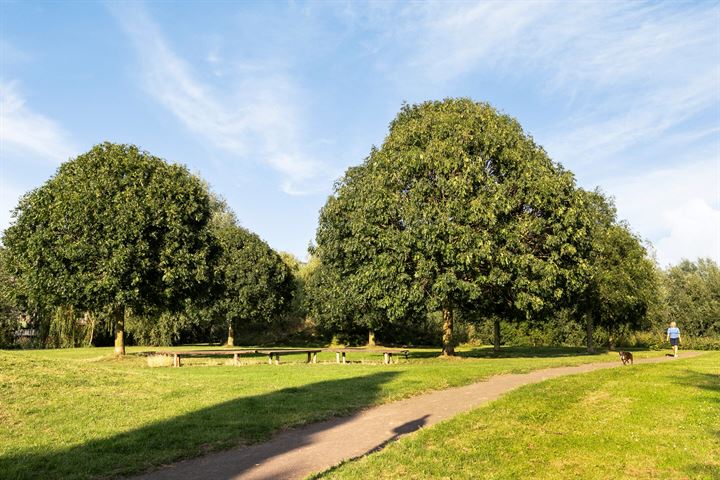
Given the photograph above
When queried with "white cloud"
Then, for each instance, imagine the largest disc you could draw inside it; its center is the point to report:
(27, 132)
(258, 119)
(677, 209)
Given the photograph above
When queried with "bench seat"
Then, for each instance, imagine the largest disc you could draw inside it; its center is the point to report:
(311, 354)
(387, 353)
(176, 354)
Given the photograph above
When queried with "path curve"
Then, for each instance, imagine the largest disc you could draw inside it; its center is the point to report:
(301, 451)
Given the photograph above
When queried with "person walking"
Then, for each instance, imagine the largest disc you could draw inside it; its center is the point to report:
(673, 334)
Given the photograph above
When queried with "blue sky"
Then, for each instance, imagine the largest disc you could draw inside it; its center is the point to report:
(270, 102)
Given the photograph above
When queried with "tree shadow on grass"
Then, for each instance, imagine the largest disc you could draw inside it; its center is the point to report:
(705, 381)
(240, 421)
(528, 352)
(700, 470)
(709, 469)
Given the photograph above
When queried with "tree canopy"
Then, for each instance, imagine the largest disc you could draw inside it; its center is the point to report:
(114, 229)
(622, 282)
(459, 208)
(252, 283)
(459, 217)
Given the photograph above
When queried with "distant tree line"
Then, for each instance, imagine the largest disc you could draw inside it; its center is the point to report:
(458, 228)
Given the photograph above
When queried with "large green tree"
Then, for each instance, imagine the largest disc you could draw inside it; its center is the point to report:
(622, 282)
(337, 309)
(115, 229)
(459, 209)
(253, 286)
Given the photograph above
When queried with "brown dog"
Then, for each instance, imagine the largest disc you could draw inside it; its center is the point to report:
(626, 357)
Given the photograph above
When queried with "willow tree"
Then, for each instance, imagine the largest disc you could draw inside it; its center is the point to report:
(115, 229)
(459, 209)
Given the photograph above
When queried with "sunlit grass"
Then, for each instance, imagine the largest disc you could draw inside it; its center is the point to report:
(81, 413)
(640, 422)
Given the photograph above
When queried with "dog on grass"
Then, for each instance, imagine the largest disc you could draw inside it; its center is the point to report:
(626, 358)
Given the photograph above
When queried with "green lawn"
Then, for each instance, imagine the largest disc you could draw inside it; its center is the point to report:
(80, 413)
(657, 421)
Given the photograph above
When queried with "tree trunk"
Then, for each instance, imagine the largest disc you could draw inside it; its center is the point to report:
(448, 347)
(231, 336)
(90, 318)
(496, 335)
(119, 320)
(371, 338)
(589, 332)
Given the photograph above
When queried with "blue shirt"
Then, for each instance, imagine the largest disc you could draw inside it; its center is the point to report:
(674, 332)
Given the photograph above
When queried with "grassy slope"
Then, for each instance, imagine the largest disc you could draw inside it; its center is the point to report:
(80, 413)
(641, 422)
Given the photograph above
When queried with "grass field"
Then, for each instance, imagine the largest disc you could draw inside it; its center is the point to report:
(80, 413)
(658, 421)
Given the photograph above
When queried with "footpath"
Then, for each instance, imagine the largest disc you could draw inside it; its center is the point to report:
(298, 452)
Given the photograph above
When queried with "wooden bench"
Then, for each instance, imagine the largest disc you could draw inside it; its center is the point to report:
(176, 354)
(387, 354)
(311, 354)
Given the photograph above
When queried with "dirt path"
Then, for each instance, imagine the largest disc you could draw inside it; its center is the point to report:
(299, 452)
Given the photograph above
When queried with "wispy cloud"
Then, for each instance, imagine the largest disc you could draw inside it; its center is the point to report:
(631, 71)
(10, 54)
(596, 43)
(454, 39)
(24, 131)
(644, 118)
(258, 119)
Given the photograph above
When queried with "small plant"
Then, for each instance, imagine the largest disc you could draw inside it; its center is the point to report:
(159, 361)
